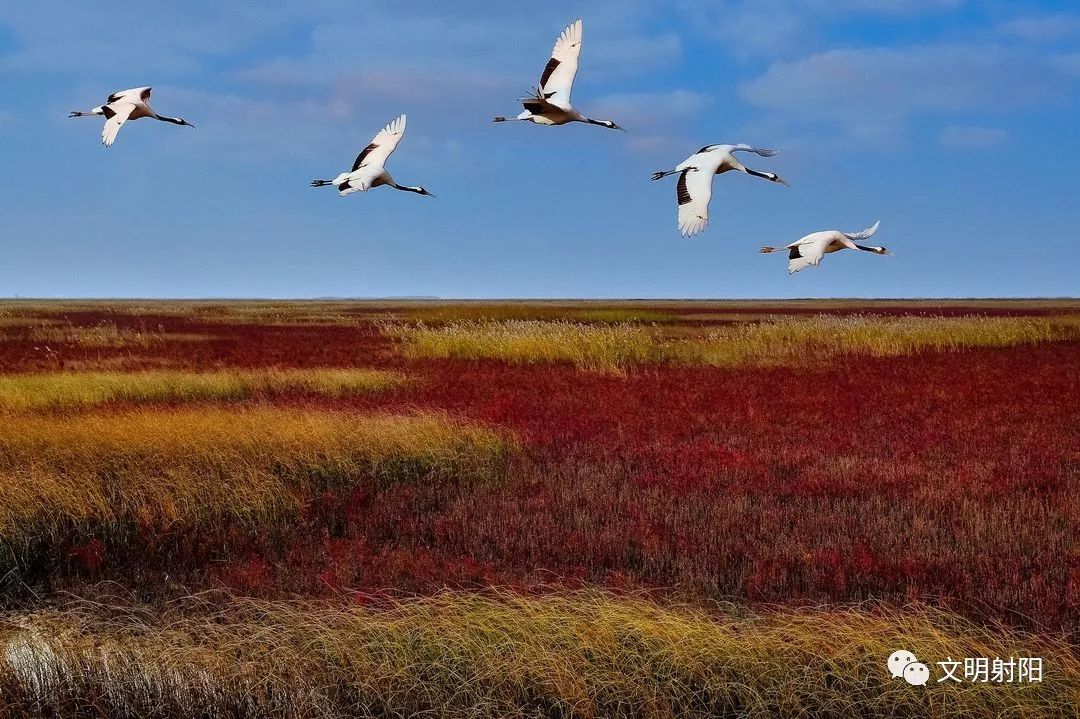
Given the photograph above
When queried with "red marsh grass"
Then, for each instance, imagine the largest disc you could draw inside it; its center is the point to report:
(584, 654)
(85, 389)
(200, 467)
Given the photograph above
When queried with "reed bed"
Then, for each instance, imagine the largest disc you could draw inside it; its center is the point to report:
(22, 392)
(530, 311)
(60, 477)
(776, 340)
(788, 340)
(109, 336)
(280, 314)
(598, 347)
(585, 654)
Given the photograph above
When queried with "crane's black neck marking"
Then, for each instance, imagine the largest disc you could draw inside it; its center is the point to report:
(408, 188)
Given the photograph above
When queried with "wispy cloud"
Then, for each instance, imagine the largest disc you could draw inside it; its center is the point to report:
(787, 28)
(972, 137)
(651, 110)
(1043, 28)
(872, 94)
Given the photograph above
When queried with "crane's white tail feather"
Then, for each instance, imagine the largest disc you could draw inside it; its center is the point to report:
(865, 234)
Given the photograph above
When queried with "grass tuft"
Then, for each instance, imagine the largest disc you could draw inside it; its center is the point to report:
(199, 468)
(86, 389)
(598, 347)
(108, 336)
(585, 654)
(789, 340)
(782, 340)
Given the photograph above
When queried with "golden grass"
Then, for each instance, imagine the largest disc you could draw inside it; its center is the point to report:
(585, 654)
(600, 347)
(778, 340)
(195, 467)
(85, 389)
(278, 313)
(787, 340)
(527, 311)
(27, 321)
(109, 336)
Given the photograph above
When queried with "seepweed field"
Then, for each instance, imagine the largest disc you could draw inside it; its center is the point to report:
(543, 509)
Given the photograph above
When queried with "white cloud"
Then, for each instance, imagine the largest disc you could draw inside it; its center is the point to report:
(643, 110)
(1069, 64)
(787, 28)
(1043, 28)
(872, 94)
(971, 137)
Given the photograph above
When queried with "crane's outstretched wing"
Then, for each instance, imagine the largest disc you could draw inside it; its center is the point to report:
(382, 145)
(808, 254)
(116, 114)
(864, 234)
(756, 150)
(693, 193)
(135, 93)
(557, 80)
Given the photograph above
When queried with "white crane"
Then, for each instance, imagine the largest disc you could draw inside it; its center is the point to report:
(368, 171)
(126, 105)
(695, 181)
(810, 250)
(550, 104)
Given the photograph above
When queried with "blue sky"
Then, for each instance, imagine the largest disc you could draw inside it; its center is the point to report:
(953, 121)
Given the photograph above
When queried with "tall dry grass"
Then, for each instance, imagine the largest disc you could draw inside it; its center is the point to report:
(202, 467)
(434, 313)
(586, 654)
(792, 340)
(600, 347)
(777, 340)
(84, 389)
(108, 336)
(594, 347)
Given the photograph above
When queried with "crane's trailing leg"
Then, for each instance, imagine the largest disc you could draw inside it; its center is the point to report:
(662, 175)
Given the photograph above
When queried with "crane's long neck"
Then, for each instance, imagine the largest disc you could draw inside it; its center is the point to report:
(165, 118)
(602, 123)
(870, 248)
(408, 188)
(770, 176)
(88, 113)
